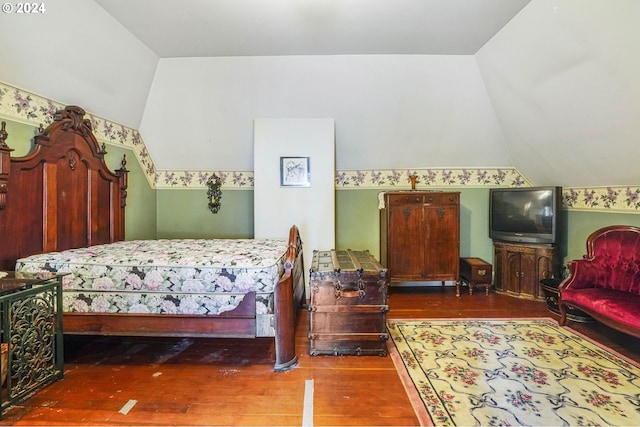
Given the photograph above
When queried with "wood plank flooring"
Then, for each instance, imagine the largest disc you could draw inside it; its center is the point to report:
(185, 381)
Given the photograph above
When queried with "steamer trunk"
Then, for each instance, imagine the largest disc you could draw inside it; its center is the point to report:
(348, 304)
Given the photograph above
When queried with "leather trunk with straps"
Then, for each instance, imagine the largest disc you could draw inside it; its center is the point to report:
(348, 306)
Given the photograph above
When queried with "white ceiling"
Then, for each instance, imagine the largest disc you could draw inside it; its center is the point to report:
(207, 28)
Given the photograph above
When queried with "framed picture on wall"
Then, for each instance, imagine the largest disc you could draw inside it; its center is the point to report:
(295, 172)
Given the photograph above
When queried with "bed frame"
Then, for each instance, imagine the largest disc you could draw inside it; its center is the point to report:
(62, 195)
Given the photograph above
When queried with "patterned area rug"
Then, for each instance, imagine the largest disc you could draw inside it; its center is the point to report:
(462, 372)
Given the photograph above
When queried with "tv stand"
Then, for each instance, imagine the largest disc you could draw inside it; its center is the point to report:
(520, 267)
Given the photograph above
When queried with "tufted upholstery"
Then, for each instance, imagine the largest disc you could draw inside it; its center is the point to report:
(606, 282)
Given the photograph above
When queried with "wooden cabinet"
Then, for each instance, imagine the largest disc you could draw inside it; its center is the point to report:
(519, 268)
(420, 235)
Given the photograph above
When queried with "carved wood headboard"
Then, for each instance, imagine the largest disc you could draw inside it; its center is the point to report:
(60, 195)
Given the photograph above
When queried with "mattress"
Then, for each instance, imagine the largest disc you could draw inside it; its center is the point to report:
(166, 276)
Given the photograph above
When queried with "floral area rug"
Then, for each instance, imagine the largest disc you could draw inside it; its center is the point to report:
(512, 372)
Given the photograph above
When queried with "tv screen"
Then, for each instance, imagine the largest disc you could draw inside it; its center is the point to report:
(527, 215)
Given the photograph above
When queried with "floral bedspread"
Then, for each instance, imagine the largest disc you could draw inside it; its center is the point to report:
(167, 276)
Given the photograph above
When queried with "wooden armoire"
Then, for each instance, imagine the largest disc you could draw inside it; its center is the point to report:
(420, 235)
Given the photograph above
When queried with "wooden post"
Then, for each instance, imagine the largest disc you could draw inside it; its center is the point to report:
(5, 165)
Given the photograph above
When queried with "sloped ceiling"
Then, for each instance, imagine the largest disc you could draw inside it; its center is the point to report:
(391, 111)
(562, 77)
(547, 86)
(77, 54)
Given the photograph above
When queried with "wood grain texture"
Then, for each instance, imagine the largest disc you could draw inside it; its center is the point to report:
(420, 235)
(61, 194)
(202, 381)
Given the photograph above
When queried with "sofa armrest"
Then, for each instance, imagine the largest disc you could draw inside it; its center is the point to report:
(583, 274)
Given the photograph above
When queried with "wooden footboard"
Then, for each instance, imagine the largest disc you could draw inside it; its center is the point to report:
(288, 302)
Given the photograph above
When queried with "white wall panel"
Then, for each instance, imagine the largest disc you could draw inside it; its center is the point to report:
(311, 208)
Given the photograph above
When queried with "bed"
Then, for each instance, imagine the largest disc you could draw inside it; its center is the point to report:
(62, 210)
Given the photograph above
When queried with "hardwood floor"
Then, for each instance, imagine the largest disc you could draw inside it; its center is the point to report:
(185, 381)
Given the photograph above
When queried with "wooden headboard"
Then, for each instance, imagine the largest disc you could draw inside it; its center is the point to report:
(60, 195)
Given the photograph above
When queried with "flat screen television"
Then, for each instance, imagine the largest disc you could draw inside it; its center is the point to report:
(526, 215)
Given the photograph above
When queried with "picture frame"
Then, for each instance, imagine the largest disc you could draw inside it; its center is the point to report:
(295, 172)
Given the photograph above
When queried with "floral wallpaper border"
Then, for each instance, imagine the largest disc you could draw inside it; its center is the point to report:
(25, 107)
(433, 177)
(609, 199)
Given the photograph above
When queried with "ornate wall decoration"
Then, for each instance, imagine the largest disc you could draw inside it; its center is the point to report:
(214, 194)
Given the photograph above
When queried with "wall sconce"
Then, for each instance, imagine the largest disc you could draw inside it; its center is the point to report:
(214, 193)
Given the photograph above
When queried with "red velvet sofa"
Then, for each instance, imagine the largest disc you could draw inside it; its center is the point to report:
(606, 282)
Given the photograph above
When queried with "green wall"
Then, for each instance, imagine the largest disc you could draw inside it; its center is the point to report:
(358, 221)
(20, 137)
(140, 214)
(582, 223)
(185, 213)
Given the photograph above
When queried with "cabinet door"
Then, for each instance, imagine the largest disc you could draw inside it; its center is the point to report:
(511, 281)
(500, 267)
(545, 268)
(528, 273)
(406, 242)
(442, 259)
(519, 268)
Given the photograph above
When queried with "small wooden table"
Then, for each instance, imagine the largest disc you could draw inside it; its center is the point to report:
(474, 271)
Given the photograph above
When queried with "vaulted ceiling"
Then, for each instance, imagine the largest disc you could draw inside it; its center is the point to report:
(547, 86)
